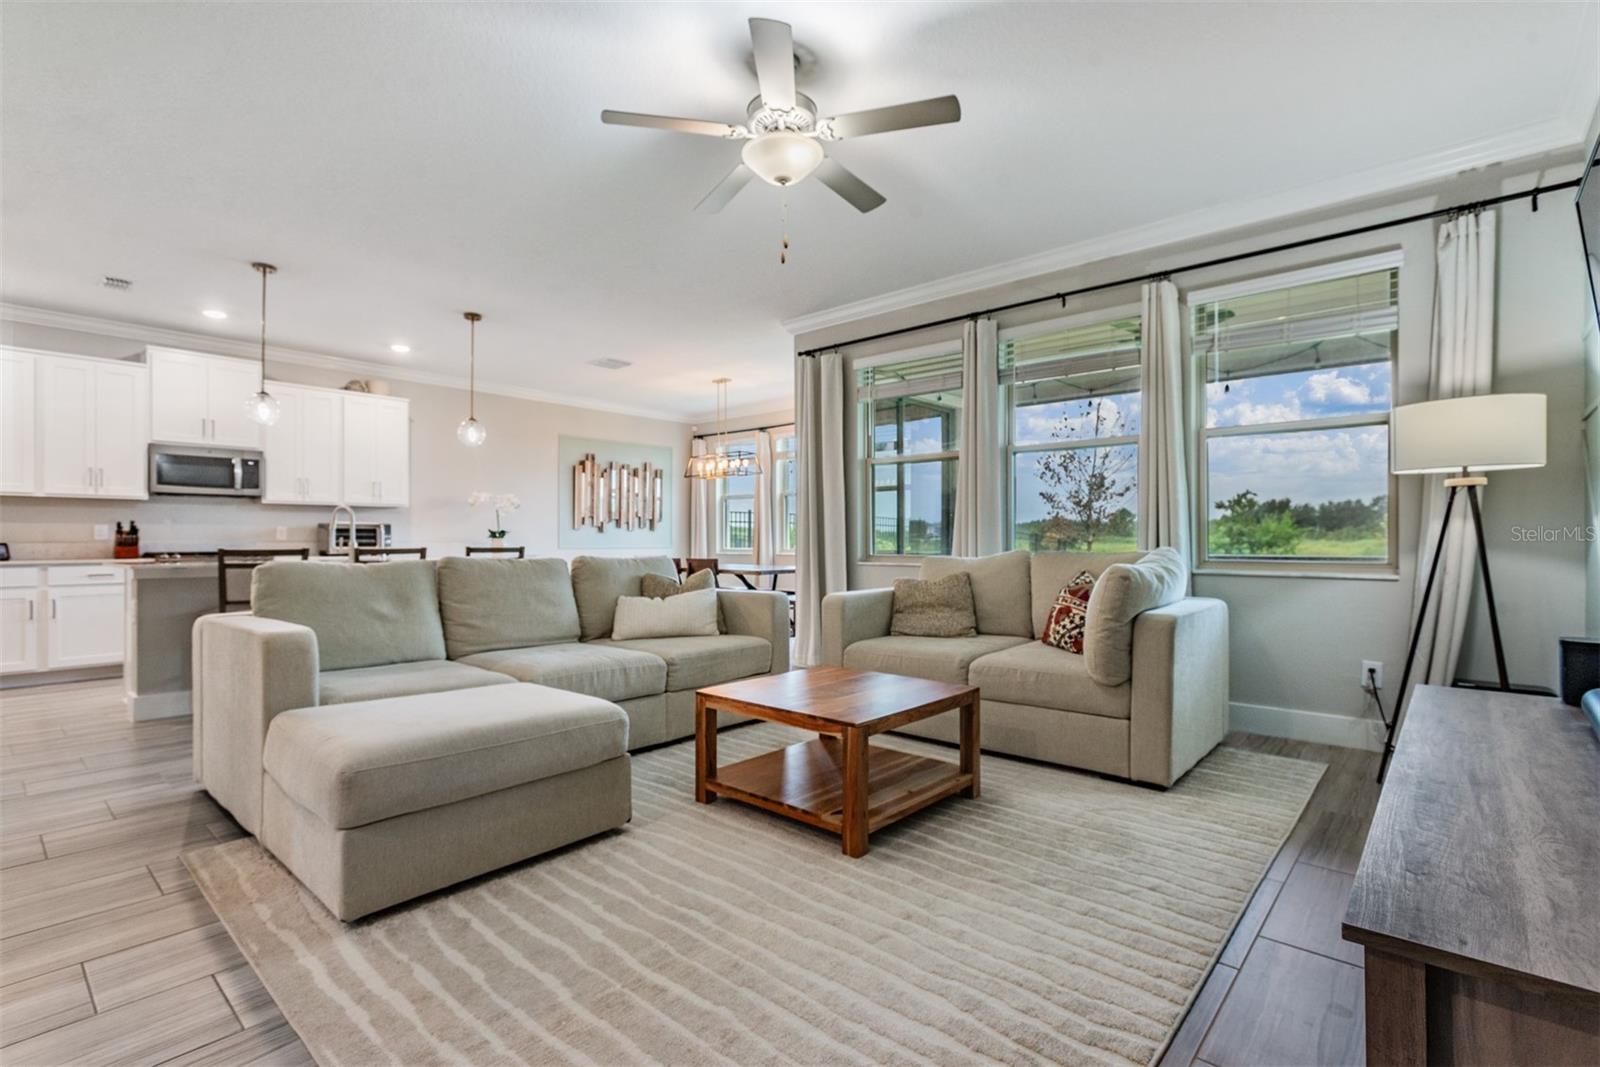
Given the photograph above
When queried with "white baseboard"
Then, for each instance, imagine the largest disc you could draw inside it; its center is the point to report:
(1318, 727)
(146, 706)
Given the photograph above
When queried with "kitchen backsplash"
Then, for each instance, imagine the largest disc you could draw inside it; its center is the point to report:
(65, 529)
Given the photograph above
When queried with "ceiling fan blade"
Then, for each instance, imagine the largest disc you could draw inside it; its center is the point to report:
(932, 112)
(663, 122)
(774, 48)
(726, 190)
(857, 193)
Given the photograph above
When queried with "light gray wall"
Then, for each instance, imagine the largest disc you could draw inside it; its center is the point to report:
(1591, 409)
(1298, 642)
(519, 457)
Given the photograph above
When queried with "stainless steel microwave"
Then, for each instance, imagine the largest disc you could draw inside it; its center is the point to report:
(178, 470)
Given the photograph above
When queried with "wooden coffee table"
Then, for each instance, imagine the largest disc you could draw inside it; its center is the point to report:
(838, 781)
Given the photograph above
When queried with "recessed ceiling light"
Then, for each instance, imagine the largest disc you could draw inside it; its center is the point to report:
(214, 313)
(402, 349)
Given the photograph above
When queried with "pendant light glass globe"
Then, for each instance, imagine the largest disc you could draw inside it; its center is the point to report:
(471, 432)
(782, 157)
(263, 409)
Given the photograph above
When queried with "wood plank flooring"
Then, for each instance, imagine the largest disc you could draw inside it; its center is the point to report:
(108, 954)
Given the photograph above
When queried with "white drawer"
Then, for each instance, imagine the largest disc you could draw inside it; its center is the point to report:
(83, 575)
(19, 577)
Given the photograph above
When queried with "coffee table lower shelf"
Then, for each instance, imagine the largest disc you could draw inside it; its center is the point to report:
(805, 781)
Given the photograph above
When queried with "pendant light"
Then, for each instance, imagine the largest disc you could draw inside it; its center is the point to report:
(471, 432)
(720, 464)
(263, 407)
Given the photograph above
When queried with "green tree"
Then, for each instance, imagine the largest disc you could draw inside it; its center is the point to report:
(1252, 527)
(1088, 485)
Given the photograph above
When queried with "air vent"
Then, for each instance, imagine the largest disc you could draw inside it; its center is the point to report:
(609, 363)
(115, 283)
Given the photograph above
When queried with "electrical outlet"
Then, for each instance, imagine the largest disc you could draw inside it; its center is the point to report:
(283, 533)
(102, 532)
(1376, 667)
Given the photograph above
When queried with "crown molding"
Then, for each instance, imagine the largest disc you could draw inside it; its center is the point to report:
(1566, 131)
(146, 334)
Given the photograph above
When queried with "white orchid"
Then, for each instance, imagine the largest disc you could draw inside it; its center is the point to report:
(500, 502)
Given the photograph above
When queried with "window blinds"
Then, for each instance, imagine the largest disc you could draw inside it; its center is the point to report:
(1090, 360)
(1329, 323)
(913, 377)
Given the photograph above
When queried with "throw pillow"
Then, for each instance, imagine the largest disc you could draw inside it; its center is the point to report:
(685, 615)
(1068, 618)
(659, 585)
(937, 607)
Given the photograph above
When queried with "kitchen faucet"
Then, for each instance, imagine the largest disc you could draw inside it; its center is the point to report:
(333, 524)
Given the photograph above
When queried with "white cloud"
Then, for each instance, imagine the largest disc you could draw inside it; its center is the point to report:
(1332, 387)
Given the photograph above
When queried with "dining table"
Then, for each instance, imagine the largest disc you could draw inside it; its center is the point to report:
(751, 574)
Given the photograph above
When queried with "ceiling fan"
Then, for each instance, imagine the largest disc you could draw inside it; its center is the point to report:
(783, 135)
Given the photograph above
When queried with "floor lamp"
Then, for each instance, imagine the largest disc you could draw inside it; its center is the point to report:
(1464, 438)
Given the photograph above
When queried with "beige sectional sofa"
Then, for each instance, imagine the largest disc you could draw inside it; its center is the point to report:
(389, 729)
(1146, 701)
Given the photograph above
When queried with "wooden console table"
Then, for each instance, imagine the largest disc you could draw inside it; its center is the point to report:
(1478, 895)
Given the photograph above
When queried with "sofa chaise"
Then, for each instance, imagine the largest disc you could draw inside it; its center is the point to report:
(390, 729)
(1146, 700)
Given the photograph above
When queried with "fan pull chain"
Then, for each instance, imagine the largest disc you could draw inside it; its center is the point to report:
(783, 219)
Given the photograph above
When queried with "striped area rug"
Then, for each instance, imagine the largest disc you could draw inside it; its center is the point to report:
(1060, 918)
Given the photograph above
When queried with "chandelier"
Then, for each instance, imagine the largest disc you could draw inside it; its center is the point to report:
(721, 463)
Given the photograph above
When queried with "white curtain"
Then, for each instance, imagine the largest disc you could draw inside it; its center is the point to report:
(702, 510)
(1462, 364)
(979, 512)
(766, 523)
(1163, 473)
(820, 554)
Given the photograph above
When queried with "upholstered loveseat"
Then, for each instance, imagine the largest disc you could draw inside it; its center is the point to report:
(321, 634)
(1146, 700)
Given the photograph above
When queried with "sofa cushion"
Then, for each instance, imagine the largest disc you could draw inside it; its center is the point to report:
(364, 614)
(359, 763)
(1121, 593)
(1039, 675)
(402, 679)
(1054, 571)
(599, 670)
(597, 582)
(934, 607)
(999, 589)
(685, 615)
(943, 659)
(489, 604)
(693, 662)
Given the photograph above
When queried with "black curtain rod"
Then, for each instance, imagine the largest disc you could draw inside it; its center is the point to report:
(1159, 275)
(742, 429)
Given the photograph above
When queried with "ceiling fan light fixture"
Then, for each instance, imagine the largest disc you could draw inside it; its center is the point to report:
(782, 157)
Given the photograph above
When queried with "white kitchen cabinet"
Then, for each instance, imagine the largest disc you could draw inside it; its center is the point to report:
(18, 471)
(19, 630)
(304, 451)
(86, 625)
(377, 451)
(201, 399)
(93, 432)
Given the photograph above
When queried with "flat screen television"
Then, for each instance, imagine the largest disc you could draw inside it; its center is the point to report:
(1589, 224)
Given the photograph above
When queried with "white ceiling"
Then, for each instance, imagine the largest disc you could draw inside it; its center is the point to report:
(401, 163)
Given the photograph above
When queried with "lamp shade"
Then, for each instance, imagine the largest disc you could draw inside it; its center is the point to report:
(1475, 433)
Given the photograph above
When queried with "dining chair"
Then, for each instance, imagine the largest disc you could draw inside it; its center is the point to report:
(519, 551)
(247, 559)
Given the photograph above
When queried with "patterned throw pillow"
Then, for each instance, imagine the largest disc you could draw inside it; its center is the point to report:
(1064, 629)
(937, 607)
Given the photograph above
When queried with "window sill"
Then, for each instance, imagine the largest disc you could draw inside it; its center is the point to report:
(1375, 574)
(893, 561)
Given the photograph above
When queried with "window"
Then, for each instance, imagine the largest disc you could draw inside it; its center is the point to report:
(1073, 460)
(736, 507)
(911, 414)
(783, 481)
(1298, 377)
